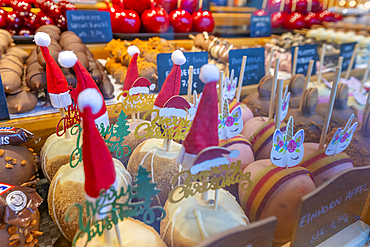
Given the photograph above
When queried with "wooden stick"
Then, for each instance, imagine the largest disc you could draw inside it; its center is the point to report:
(367, 100)
(133, 117)
(168, 145)
(321, 62)
(221, 91)
(366, 75)
(178, 4)
(278, 105)
(270, 61)
(309, 6)
(349, 69)
(241, 77)
(325, 4)
(264, 4)
(190, 82)
(294, 68)
(216, 200)
(308, 77)
(282, 5)
(231, 78)
(200, 5)
(340, 62)
(273, 89)
(138, 116)
(330, 108)
(63, 115)
(294, 5)
(118, 234)
(331, 4)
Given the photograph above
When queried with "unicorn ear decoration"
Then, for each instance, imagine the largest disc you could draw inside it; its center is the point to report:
(196, 99)
(229, 124)
(230, 86)
(341, 138)
(285, 104)
(287, 150)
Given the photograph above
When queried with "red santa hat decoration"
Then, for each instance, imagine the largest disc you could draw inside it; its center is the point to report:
(98, 163)
(68, 59)
(132, 72)
(172, 84)
(177, 106)
(204, 130)
(57, 84)
(141, 85)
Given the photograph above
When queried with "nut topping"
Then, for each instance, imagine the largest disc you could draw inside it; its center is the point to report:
(23, 162)
(2, 152)
(8, 159)
(12, 230)
(8, 166)
(14, 237)
(14, 161)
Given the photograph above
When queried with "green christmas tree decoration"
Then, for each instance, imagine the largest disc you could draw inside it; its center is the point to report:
(144, 189)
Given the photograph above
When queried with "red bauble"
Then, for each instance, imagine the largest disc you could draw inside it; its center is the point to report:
(312, 19)
(189, 5)
(278, 19)
(15, 21)
(20, 6)
(43, 19)
(155, 20)
(181, 21)
(139, 6)
(326, 16)
(45, 5)
(168, 5)
(30, 22)
(64, 6)
(54, 11)
(25, 32)
(295, 21)
(203, 21)
(125, 21)
(260, 12)
(61, 22)
(71, 6)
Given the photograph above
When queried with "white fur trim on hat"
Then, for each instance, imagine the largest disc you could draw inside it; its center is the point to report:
(42, 39)
(185, 158)
(178, 57)
(132, 50)
(172, 112)
(103, 119)
(90, 97)
(152, 87)
(209, 73)
(67, 59)
(60, 100)
(206, 165)
(136, 90)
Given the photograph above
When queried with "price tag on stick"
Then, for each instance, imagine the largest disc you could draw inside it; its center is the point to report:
(4, 112)
(255, 67)
(91, 26)
(346, 51)
(306, 53)
(195, 59)
(260, 26)
(332, 207)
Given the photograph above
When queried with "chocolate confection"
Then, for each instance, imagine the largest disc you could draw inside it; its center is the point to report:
(70, 76)
(106, 87)
(32, 57)
(81, 56)
(16, 165)
(54, 53)
(23, 101)
(296, 85)
(49, 27)
(33, 66)
(36, 79)
(20, 52)
(76, 47)
(19, 216)
(53, 33)
(6, 35)
(11, 80)
(69, 39)
(259, 102)
(4, 43)
(14, 136)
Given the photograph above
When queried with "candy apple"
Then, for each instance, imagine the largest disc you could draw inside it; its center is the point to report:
(260, 12)
(24, 32)
(301, 6)
(3, 21)
(43, 19)
(189, 5)
(61, 22)
(54, 11)
(326, 16)
(295, 21)
(15, 21)
(312, 19)
(278, 19)
(168, 5)
(137, 5)
(203, 21)
(71, 6)
(155, 20)
(181, 21)
(316, 6)
(288, 6)
(21, 6)
(273, 6)
(11, 30)
(125, 21)
(30, 22)
(45, 5)
(338, 17)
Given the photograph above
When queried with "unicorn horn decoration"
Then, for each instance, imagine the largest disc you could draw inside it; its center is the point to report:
(287, 150)
(341, 138)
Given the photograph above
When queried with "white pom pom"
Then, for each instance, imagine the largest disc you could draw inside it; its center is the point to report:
(42, 39)
(132, 50)
(152, 87)
(209, 73)
(67, 59)
(178, 57)
(90, 97)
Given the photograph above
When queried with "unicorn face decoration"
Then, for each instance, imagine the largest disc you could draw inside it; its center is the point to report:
(230, 86)
(229, 124)
(341, 138)
(287, 150)
(285, 104)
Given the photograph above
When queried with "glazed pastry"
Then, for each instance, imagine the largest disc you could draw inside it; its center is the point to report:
(36, 79)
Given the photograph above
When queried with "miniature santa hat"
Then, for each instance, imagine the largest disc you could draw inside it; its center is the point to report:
(68, 59)
(141, 85)
(98, 163)
(57, 84)
(204, 130)
(132, 72)
(172, 84)
(212, 157)
(177, 106)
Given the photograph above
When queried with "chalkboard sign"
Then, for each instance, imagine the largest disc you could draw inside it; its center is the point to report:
(195, 59)
(260, 26)
(306, 53)
(4, 112)
(346, 51)
(91, 26)
(332, 207)
(255, 67)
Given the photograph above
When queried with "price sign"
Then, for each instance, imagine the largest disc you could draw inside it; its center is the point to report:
(332, 207)
(4, 112)
(260, 26)
(306, 53)
(195, 59)
(91, 26)
(346, 51)
(255, 67)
